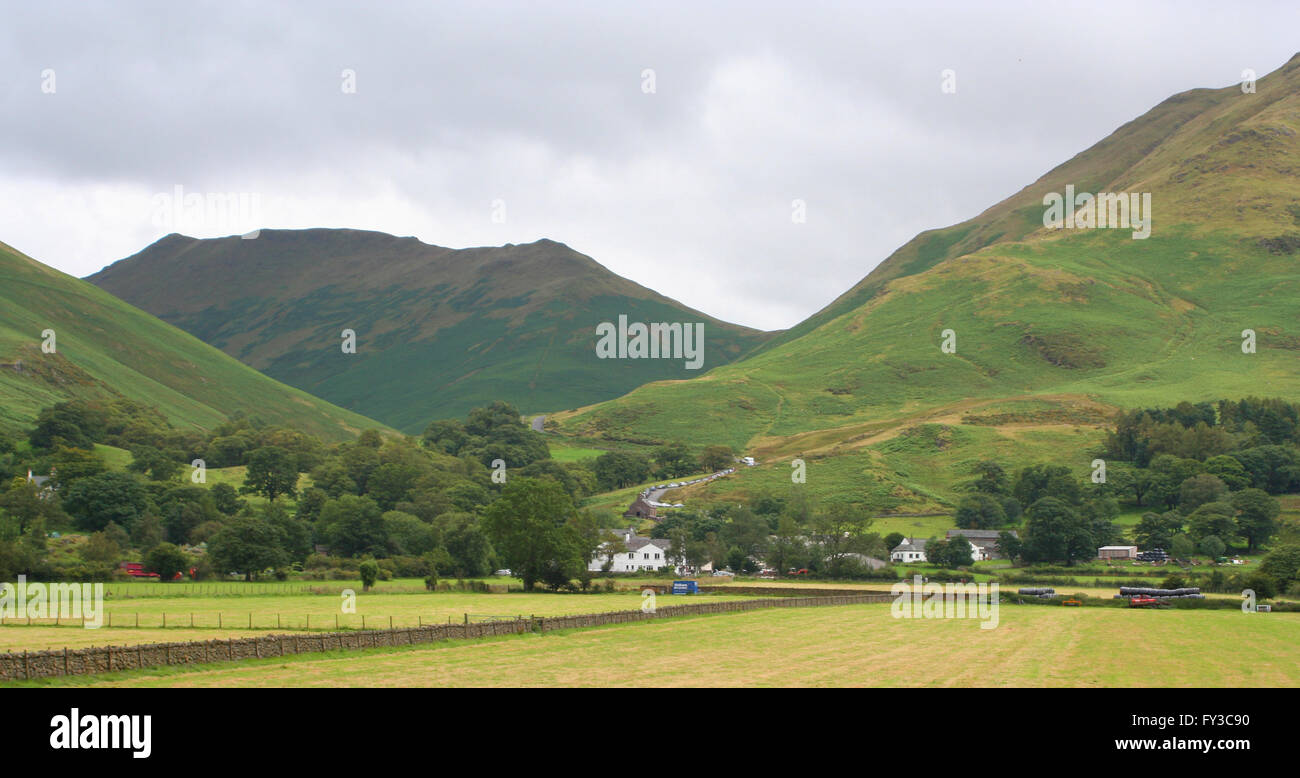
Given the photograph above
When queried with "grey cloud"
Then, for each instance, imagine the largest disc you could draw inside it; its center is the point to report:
(541, 104)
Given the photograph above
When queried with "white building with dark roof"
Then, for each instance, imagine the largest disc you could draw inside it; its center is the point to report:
(640, 554)
(910, 550)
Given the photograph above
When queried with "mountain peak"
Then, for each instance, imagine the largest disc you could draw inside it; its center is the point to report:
(438, 328)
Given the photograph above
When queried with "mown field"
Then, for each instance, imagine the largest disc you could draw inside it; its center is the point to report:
(859, 645)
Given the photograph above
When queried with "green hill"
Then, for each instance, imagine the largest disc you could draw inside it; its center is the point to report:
(1055, 329)
(439, 331)
(105, 348)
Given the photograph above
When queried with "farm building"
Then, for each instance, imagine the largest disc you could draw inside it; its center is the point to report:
(1117, 552)
(637, 554)
(985, 542)
(910, 550)
(641, 509)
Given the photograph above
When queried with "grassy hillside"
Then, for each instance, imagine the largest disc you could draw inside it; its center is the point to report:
(438, 330)
(1055, 329)
(106, 348)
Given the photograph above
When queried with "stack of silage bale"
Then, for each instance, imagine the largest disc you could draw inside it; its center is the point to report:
(1191, 593)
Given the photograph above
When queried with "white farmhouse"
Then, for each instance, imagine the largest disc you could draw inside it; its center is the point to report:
(642, 554)
(910, 550)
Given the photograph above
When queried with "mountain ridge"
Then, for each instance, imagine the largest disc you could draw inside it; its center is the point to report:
(438, 329)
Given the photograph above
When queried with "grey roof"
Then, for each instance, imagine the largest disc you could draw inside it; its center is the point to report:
(637, 543)
(910, 544)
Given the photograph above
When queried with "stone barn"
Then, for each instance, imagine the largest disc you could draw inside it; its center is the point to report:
(640, 509)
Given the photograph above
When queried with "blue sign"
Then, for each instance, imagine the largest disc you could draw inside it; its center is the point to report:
(685, 587)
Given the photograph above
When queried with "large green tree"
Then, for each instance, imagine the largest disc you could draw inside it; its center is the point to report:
(1283, 563)
(353, 526)
(1200, 489)
(1157, 530)
(715, 458)
(673, 460)
(166, 560)
(247, 545)
(106, 498)
(1257, 513)
(531, 529)
(1055, 532)
(1213, 518)
(272, 472)
(618, 469)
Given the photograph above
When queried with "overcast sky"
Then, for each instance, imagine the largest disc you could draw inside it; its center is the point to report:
(492, 122)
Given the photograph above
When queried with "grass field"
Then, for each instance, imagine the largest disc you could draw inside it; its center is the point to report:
(230, 615)
(562, 451)
(37, 638)
(858, 645)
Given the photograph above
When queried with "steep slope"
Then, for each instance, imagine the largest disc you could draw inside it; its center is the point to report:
(1053, 327)
(438, 330)
(104, 348)
(1174, 128)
